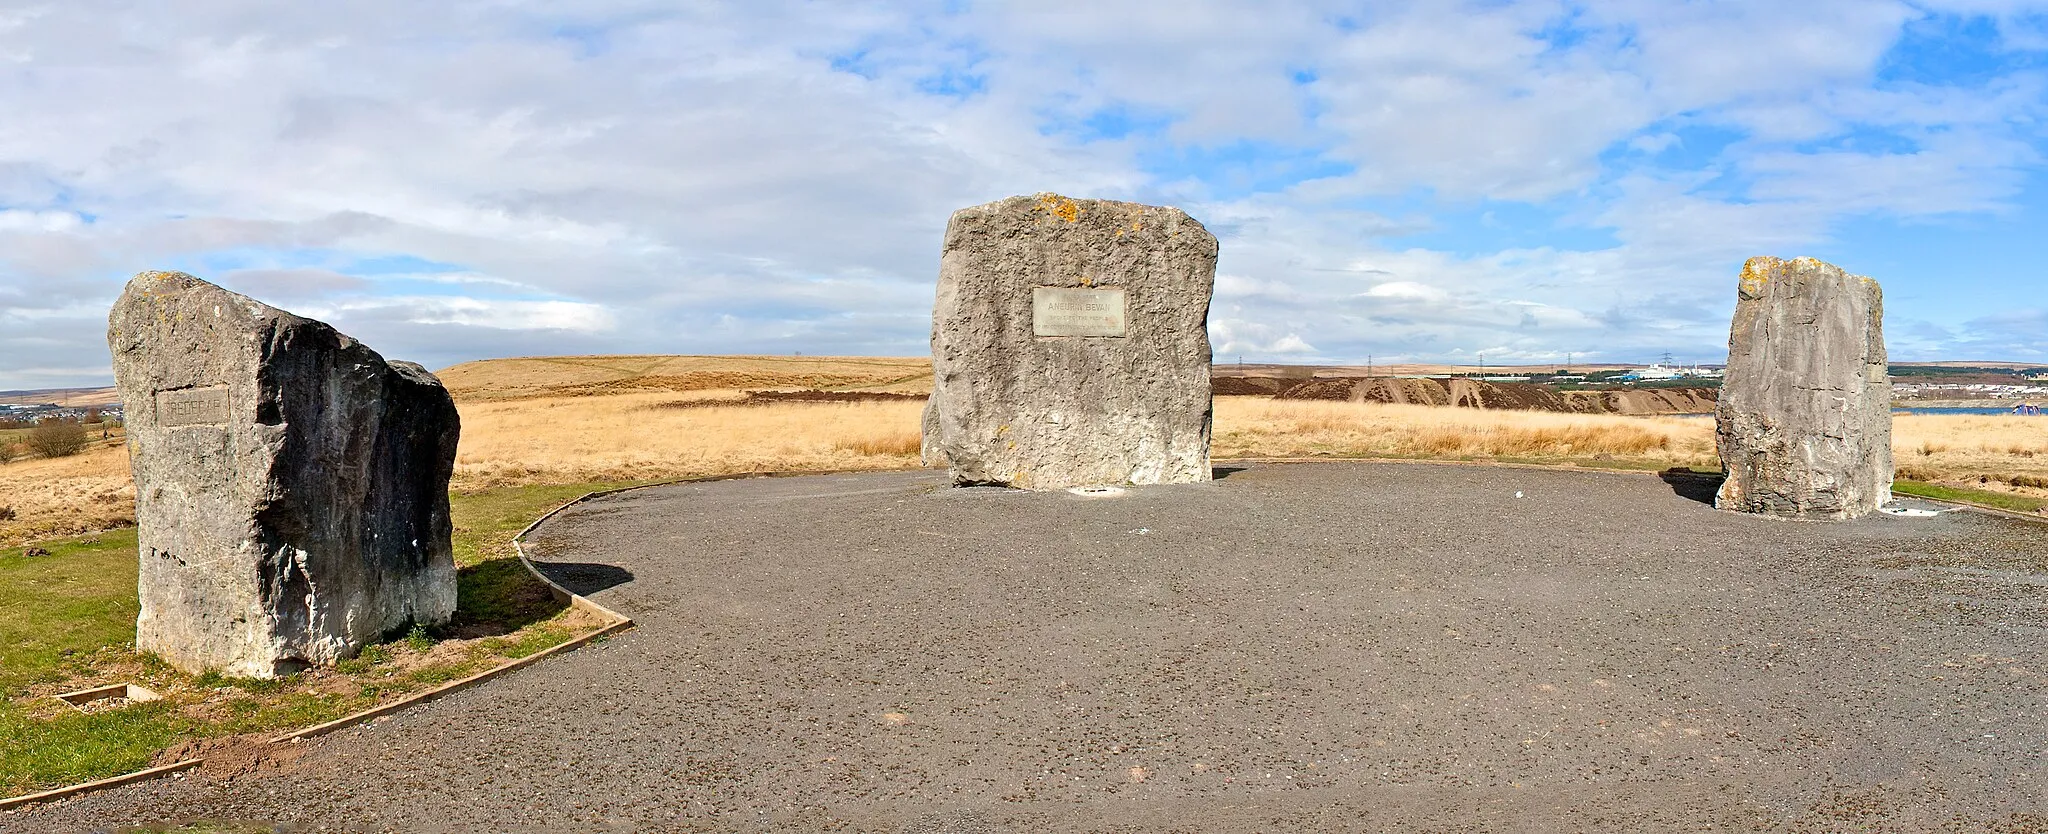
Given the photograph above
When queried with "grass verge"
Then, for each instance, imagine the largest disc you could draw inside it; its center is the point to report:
(1997, 500)
(67, 621)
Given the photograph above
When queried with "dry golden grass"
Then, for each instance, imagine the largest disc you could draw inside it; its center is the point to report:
(1999, 451)
(631, 437)
(63, 496)
(573, 439)
(77, 397)
(556, 376)
(1259, 427)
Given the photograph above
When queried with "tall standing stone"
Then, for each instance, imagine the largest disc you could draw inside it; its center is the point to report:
(291, 485)
(1804, 421)
(1070, 345)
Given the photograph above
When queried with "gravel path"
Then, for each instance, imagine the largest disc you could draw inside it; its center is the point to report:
(1303, 647)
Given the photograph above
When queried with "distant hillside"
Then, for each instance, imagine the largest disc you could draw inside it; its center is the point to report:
(1992, 372)
(1473, 393)
(1253, 370)
(572, 376)
(550, 376)
(75, 397)
(2012, 366)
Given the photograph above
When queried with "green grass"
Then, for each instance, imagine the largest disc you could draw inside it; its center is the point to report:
(1999, 500)
(71, 615)
(57, 609)
(495, 594)
(45, 753)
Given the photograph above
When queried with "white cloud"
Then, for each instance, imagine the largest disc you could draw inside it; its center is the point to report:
(1654, 142)
(1406, 290)
(645, 176)
(18, 220)
(477, 312)
(292, 283)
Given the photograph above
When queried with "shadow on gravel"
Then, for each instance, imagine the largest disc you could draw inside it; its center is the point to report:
(1221, 472)
(1693, 484)
(584, 578)
(498, 596)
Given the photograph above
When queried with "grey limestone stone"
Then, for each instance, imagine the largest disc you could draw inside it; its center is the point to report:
(291, 485)
(1804, 422)
(1070, 345)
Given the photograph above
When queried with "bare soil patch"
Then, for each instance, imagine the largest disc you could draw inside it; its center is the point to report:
(230, 756)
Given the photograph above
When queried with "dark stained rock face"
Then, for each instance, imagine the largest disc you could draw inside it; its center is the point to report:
(1804, 422)
(1070, 345)
(291, 485)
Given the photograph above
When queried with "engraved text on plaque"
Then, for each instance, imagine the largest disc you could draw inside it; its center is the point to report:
(1077, 311)
(192, 407)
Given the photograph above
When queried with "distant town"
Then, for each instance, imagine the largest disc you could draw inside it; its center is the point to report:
(38, 412)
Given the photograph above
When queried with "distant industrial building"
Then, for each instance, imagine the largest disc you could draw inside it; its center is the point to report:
(1661, 371)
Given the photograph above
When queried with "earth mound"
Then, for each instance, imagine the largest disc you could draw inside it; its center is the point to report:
(1514, 396)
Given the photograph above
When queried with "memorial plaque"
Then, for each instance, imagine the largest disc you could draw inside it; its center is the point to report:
(1103, 383)
(192, 407)
(1077, 311)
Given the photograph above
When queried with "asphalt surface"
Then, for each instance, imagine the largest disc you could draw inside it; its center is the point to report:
(1303, 647)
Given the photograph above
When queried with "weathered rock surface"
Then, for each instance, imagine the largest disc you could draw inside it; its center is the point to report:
(1804, 422)
(291, 485)
(1070, 345)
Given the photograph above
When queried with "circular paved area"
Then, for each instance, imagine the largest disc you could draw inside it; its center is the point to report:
(1311, 647)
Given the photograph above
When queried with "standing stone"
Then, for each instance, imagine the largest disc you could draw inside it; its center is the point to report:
(1070, 345)
(1804, 421)
(291, 486)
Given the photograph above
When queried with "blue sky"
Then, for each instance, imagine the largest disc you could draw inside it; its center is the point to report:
(1426, 181)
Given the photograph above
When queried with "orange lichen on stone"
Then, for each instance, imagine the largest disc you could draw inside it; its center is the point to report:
(1755, 274)
(1060, 207)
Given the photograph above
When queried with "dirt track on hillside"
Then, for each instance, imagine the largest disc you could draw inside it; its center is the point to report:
(1473, 393)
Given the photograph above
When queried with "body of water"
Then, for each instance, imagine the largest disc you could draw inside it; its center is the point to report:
(1997, 410)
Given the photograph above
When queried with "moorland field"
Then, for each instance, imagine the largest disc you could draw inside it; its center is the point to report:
(558, 420)
(539, 431)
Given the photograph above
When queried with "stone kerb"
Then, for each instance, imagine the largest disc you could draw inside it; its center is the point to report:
(291, 485)
(1804, 422)
(1070, 345)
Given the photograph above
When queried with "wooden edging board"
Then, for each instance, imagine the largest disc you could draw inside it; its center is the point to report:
(417, 698)
(85, 787)
(1973, 507)
(617, 623)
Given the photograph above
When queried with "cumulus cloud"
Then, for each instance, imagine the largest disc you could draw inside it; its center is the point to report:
(1407, 291)
(458, 180)
(478, 312)
(292, 283)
